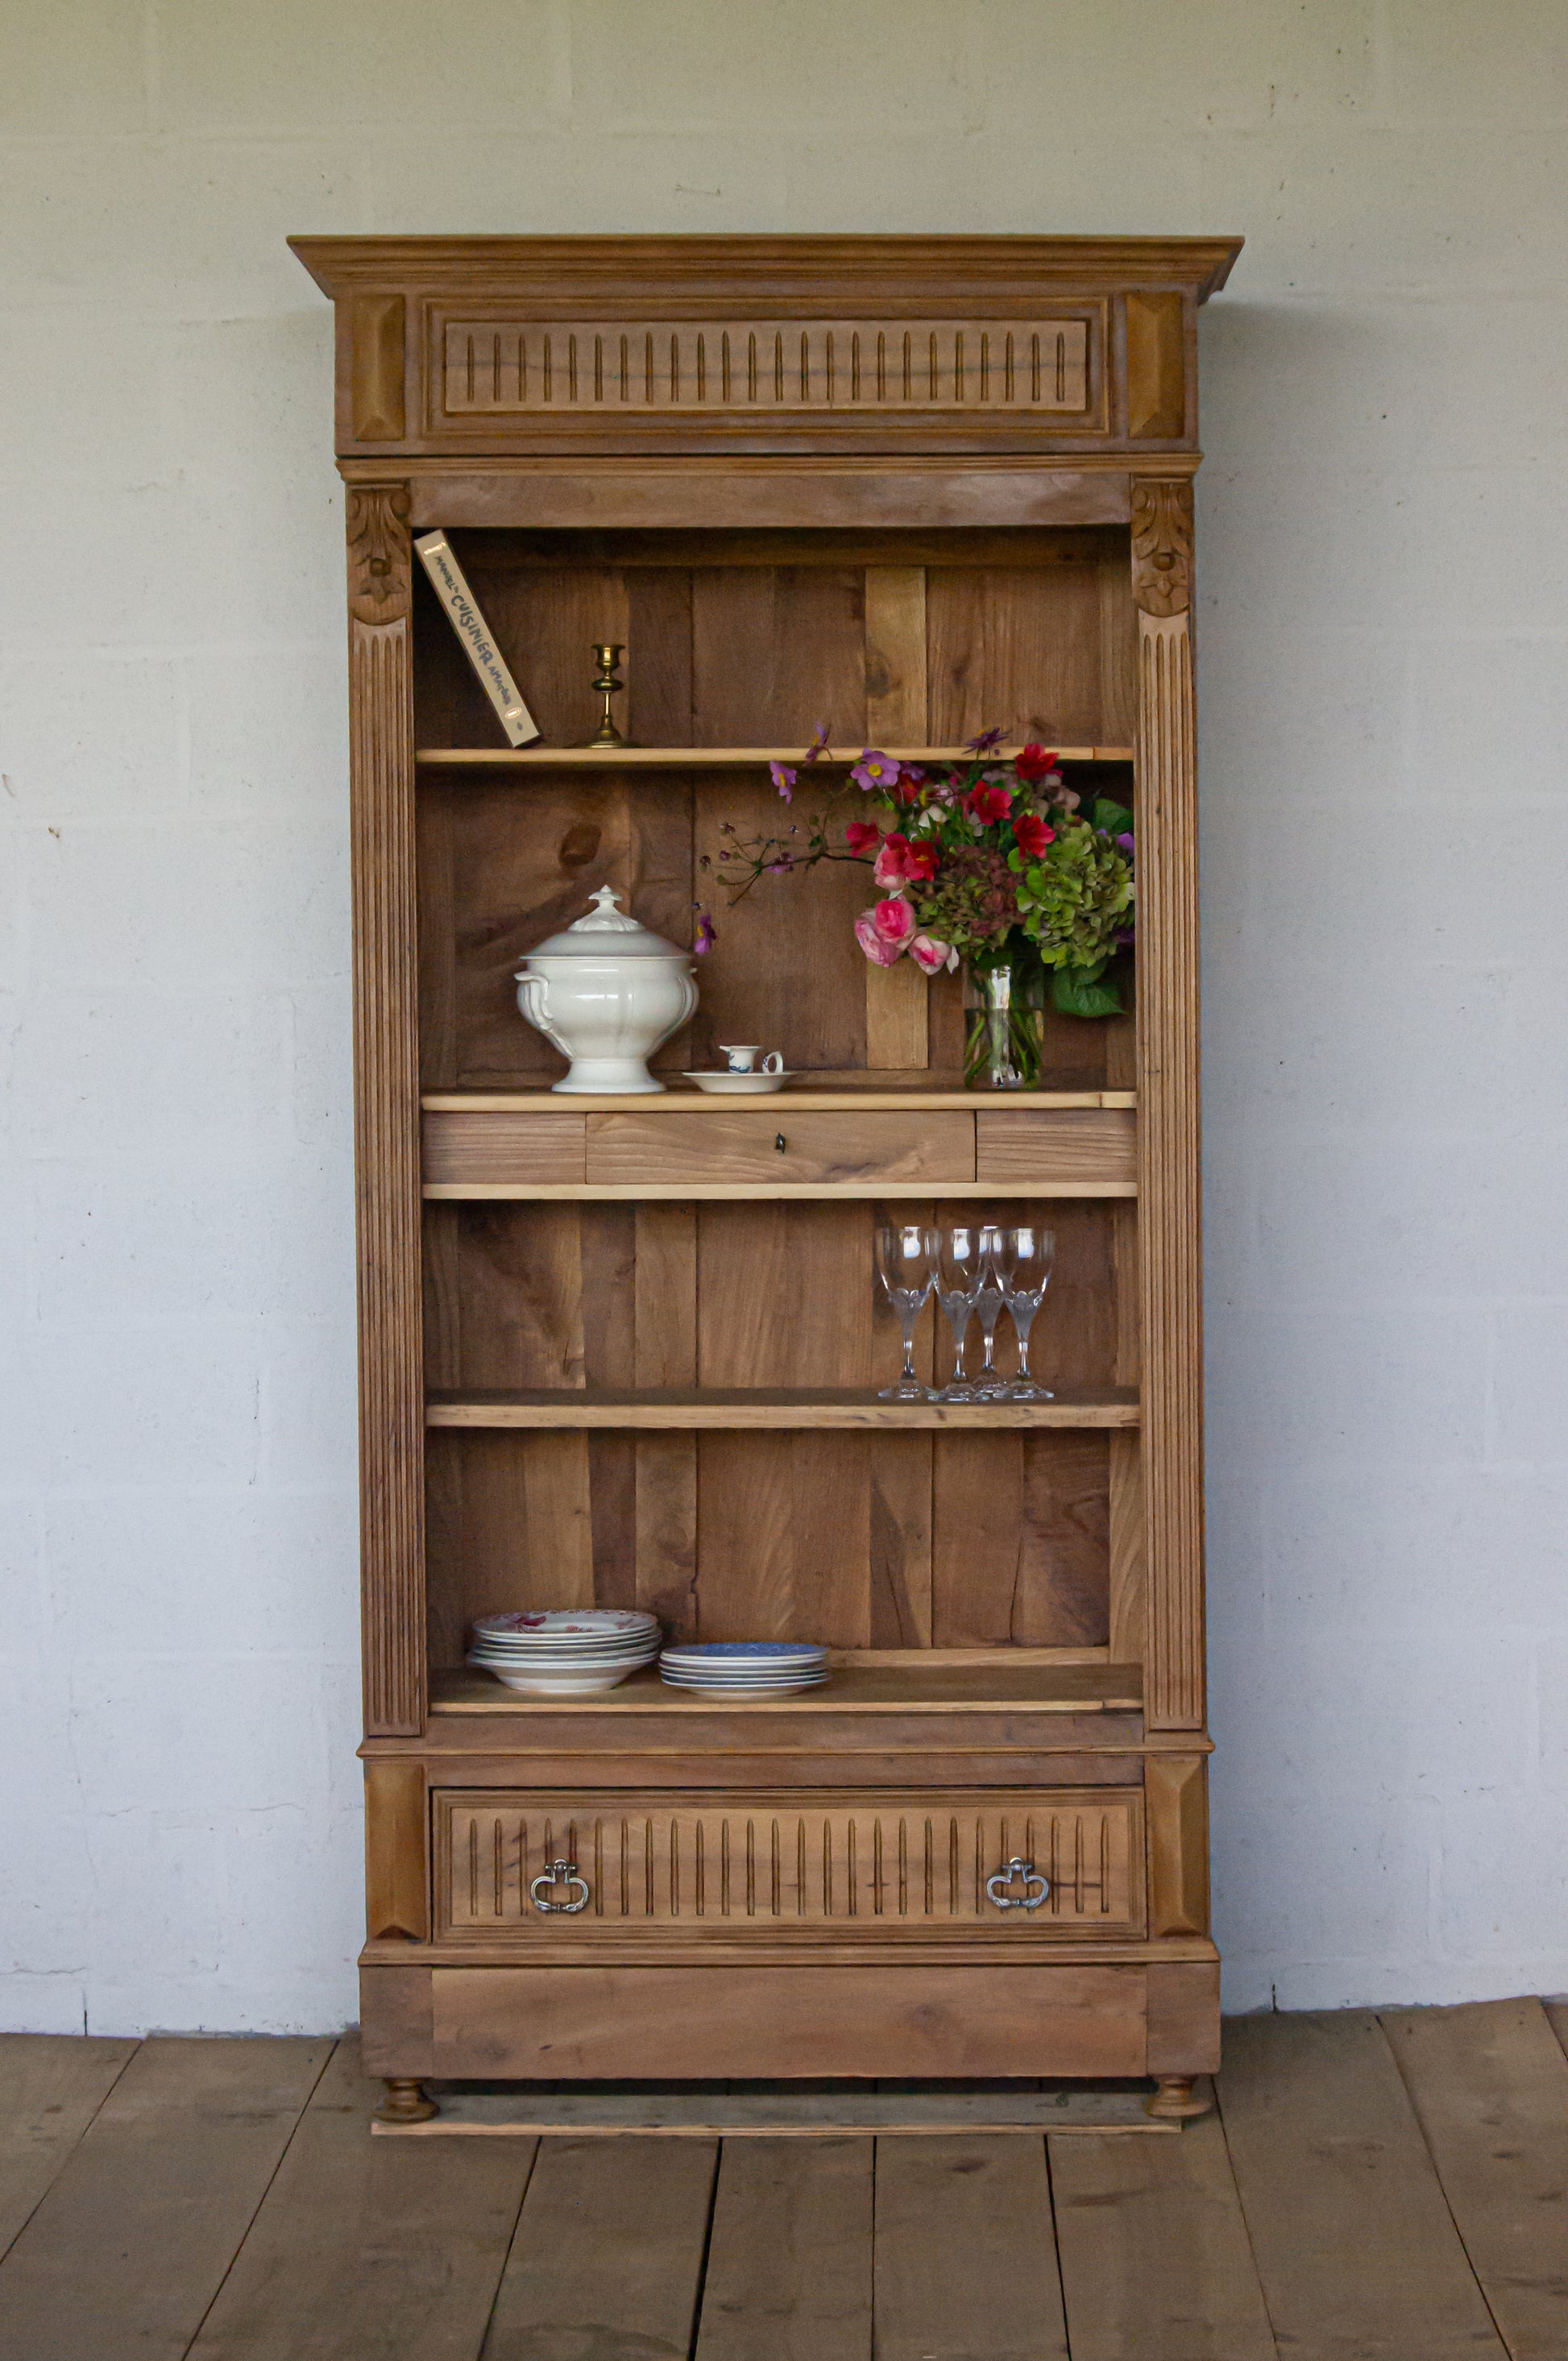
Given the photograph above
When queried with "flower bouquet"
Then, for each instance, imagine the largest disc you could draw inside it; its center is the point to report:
(990, 864)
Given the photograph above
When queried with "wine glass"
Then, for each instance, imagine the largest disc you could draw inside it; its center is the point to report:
(990, 1384)
(906, 1256)
(960, 1263)
(1026, 1257)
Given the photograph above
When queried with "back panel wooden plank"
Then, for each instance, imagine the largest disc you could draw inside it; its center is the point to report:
(362, 2247)
(1490, 2087)
(1020, 1541)
(51, 2086)
(789, 2268)
(965, 2259)
(609, 2253)
(1017, 650)
(1355, 2247)
(1155, 2258)
(129, 2246)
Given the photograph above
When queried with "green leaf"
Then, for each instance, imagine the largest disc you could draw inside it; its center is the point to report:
(1079, 992)
(1114, 819)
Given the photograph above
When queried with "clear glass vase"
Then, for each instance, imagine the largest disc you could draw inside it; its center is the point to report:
(1002, 1051)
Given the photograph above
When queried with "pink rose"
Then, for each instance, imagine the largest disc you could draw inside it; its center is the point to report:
(899, 861)
(883, 932)
(931, 955)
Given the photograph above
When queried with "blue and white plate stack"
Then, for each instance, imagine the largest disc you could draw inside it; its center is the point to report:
(745, 1668)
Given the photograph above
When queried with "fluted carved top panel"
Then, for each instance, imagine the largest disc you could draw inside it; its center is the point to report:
(511, 367)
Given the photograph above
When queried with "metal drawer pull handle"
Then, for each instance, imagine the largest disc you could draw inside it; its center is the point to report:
(560, 1873)
(1017, 1872)
(779, 1143)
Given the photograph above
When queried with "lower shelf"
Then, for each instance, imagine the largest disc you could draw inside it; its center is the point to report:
(945, 1687)
(779, 1409)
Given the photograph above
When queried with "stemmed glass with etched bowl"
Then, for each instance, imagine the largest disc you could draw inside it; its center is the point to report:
(990, 1384)
(906, 1261)
(1024, 1259)
(958, 1268)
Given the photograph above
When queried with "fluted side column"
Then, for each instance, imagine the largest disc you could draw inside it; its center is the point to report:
(385, 1108)
(1168, 1204)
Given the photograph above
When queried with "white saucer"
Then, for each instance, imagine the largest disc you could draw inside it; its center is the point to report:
(740, 1085)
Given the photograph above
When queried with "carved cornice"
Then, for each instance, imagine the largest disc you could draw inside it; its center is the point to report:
(798, 273)
(379, 559)
(1162, 545)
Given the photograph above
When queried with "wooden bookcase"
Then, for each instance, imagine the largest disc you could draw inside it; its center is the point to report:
(625, 1352)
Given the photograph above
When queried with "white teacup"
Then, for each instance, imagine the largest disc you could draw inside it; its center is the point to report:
(743, 1056)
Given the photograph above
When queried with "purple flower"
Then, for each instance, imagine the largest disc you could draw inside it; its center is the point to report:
(985, 742)
(818, 746)
(783, 778)
(707, 933)
(1125, 841)
(876, 772)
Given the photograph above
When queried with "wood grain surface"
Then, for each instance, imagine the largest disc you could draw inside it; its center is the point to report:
(1352, 2239)
(965, 2259)
(1489, 2085)
(359, 2249)
(127, 2246)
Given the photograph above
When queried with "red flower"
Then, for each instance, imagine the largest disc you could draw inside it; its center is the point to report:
(986, 804)
(899, 860)
(1032, 763)
(1032, 836)
(910, 781)
(861, 834)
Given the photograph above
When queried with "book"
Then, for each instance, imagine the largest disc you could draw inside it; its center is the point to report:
(464, 614)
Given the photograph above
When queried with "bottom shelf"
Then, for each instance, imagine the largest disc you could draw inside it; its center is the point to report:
(946, 1688)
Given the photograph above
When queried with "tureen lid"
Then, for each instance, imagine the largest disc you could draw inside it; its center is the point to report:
(607, 932)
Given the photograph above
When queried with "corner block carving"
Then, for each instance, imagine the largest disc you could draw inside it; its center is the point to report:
(1162, 545)
(380, 563)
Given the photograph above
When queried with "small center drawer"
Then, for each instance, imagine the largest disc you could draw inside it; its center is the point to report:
(765, 1148)
(730, 1865)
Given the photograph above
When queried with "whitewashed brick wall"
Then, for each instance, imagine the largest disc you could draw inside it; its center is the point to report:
(1384, 612)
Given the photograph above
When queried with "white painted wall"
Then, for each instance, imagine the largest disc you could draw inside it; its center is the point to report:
(1385, 603)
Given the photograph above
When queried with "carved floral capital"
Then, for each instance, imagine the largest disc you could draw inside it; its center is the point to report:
(379, 559)
(1162, 545)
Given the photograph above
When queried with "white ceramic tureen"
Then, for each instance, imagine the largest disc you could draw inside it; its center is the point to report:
(607, 992)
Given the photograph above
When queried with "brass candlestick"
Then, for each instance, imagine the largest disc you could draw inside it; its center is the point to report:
(606, 684)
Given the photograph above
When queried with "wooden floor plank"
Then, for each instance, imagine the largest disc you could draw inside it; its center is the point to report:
(130, 2244)
(965, 2261)
(51, 2086)
(369, 2246)
(1155, 2264)
(609, 2253)
(789, 2267)
(1358, 2257)
(1490, 2086)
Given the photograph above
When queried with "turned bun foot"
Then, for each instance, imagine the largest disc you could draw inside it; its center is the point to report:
(1175, 2100)
(405, 2103)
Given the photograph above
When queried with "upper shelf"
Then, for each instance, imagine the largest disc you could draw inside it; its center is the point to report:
(777, 1409)
(715, 758)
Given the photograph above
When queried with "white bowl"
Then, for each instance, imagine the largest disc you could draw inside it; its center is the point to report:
(560, 1684)
(723, 1084)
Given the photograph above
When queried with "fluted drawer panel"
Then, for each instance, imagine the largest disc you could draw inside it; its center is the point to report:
(762, 1861)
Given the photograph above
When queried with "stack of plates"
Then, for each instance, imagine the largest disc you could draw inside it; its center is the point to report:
(749, 1668)
(565, 1651)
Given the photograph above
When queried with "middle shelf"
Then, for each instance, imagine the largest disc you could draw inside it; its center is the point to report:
(780, 1409)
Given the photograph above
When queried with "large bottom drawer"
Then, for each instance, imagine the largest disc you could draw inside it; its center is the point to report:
(531, 1869)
